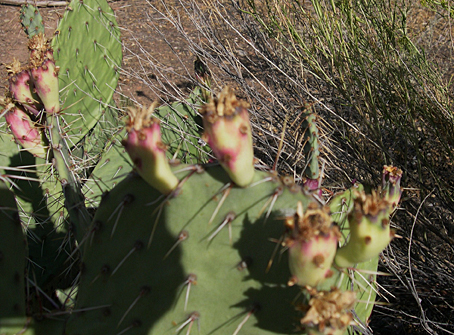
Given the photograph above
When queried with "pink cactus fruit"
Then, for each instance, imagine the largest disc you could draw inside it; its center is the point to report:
(21, 87)
(228, 132)
(311, 245)
(391, 184)
(44, 73)
(146, 150)
(329, 312)
(26, 132)
(370, 231)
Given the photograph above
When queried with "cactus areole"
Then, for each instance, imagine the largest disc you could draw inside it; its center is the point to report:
(228, 132)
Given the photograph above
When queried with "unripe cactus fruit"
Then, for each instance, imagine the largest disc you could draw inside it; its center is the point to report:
(21, 87)
(369, 230)
(312, 246)
(329, 312)
(228, 132)
(44, 73)
(25, 132)
(146, 150)
(391, 184)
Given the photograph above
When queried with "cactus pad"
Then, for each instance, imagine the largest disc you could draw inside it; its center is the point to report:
(31, 20)
(87, 48)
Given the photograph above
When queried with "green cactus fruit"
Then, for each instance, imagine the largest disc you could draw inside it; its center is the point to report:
(329, 312)
(31, 20)
(312, 245)
(13, 253)
(87, 49)
(391, 184)
(146, 150)
(209, 232)
(26, 132)
(369, 230)
(21, 87)
(228, 132)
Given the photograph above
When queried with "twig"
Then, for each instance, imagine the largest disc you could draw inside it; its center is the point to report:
(423, 319)
(41, 3)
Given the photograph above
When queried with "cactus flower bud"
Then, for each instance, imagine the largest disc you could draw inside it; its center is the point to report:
(312, 246)
(147, 152)
(369, 230)
(329, 312)
(25, 132)
(391, 184)
(228, 132)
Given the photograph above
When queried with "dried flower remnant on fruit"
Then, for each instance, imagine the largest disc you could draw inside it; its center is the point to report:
(330, 311)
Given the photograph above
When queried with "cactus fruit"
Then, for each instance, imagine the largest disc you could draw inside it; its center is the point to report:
(87, 48)
(21, 87)
(26, 132)
(228, 132)
(146, 150)
(227, 248)
(370, 231)
(312, 245)
(44, 73)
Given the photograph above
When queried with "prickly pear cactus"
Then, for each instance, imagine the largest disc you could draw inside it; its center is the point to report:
(185, 247)
(87, 48)
(177, 246)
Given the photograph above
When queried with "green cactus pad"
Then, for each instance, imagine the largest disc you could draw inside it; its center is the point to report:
(131, 286)
(87, 48)
(31, 20)
(13, 253)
